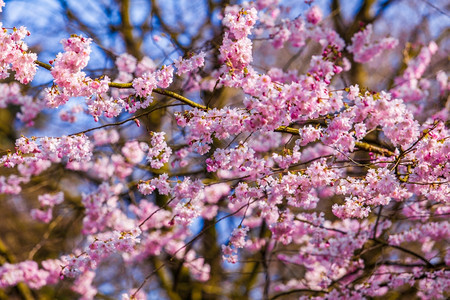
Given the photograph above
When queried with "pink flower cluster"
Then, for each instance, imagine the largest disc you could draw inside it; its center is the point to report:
(378, 187)
(159, 153)
(314, 15)
(69, 79)
(237, 241)
(146, 83)
(352, 208)
(103, 137)
(14, 55)
(273, 104)
(110, 167)
(197, 266)
(288, 158)
(433, 230)
(134, 151)
(46, 202)
(70, 115)
(161, 183)
(443, 81)
(126, 63)
(102, 211)
(236, 49)
(364, 50)
(186, 197)
(204, 125)
(326, 254)
(71, 148)
(241, 160)
(28, 271)
(190, 64)
(29, 107)
(33, 156)
(11, 184)
(309, 134)
(102, 246)
(411, 87)
(369, 111)
(298, 30)
(83, 285)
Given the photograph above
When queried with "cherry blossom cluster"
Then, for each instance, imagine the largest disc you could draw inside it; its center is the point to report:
(197, 266)
(156, 220)
(102, 211)
(102, 246)
(187, 203)
(29, 271)
(422, 233)
(69, 80)
(241, 160)
(369, 111)
(388, 278)
(364, 50)
(411, 87)
(326, 262)
(443, 82)
(83, 285)
(70, 115)
(104, 137)
(314, 15)
(14, 55)
(296, 32)
(29, 107)
(272, 104)
(65, 148)
(432, 155)
(204, 125)
(188, 65)
(236, 49)
(46, 203)
(161, 183)
(11, 184)
(134, 151)
(116, 165)
(159, 153)
(237, 240)
(379, 187)
(35, 155)
(187, 198)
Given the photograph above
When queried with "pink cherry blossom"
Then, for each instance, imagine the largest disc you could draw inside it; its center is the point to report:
(15, 56)
(314, 15)
(133, 151)
(126, 63)
(191, 64)
(364, 50)
(145, 84)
